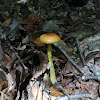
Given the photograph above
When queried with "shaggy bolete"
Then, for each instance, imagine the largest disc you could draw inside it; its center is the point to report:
(49, 39)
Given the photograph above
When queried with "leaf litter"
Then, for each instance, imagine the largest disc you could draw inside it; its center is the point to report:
(24, 62)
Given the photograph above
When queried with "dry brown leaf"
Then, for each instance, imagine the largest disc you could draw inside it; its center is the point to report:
(47, 80)
(2, 75)
(69, 68)
(59, 78)
(30, 23)
(11, 83)
(5, 84)
(6, 58)
(6, 22)
(56, 93)
(32, 90)
(47, 97)
(82, 85)
(99, 89)
(6, 95)
(37, 42)
(1, 85)
(40, 94)
(69, 90)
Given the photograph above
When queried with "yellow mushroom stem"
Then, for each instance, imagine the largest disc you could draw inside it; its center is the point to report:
(52, 70)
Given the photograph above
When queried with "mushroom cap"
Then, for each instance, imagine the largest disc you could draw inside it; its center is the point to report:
(49, 38)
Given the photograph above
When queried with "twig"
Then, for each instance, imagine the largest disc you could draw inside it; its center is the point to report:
(80, 52)
(76, 96)
(1, 55)
(85, 78)
(79, 80)
(25, 59)
(65, 92)
(60, 72)
(19, 58)
(82, 96)
(64, 49)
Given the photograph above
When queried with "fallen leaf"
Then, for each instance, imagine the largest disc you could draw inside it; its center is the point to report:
(82, 85)
(40, 94)
(32, 90)
(37, 42)
(5, 84)
(47, 80)
(69, 90)
(2, 75)
(47, 97)
(1, 85)
(7, 22)
(56, 93)
(6, 58)
(30, 23)
(99, 89)
(11, 83)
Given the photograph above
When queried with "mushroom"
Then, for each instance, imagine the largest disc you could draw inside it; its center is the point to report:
(49, 39)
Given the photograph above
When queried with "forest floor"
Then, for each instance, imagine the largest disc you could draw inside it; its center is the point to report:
(24, 66)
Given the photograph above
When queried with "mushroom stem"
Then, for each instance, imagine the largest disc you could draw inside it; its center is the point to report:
(52, 70)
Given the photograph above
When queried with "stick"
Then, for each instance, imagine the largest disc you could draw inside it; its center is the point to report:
(85, 78)
(76, 96)
(19, 58)
(80, 52)
(64, 49)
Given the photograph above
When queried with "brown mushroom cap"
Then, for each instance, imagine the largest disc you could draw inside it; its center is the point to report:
(49, 38)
